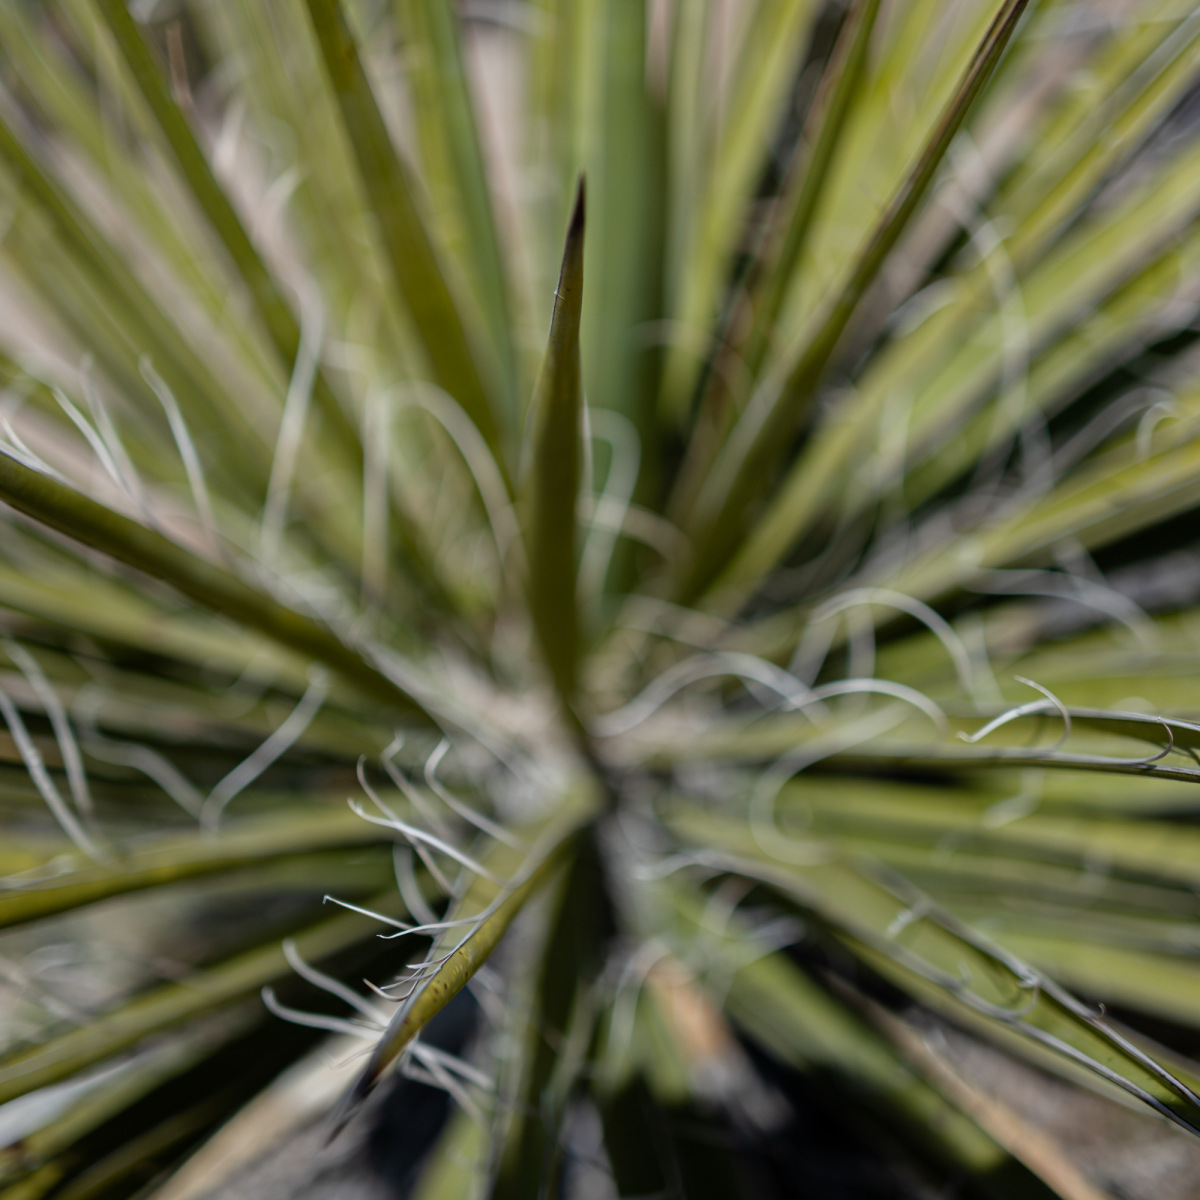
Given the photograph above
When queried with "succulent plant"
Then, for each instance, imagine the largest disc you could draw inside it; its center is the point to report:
(672, 517)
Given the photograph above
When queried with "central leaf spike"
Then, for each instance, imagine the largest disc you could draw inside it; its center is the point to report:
(552, 485)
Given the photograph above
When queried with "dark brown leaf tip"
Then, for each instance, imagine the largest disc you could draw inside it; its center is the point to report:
(578, 213)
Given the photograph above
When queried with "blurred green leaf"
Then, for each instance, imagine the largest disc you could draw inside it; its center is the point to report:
(162, 1008)
(411, 258)
(80, 517)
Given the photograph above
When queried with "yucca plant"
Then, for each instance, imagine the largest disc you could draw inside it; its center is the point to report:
(751, 604)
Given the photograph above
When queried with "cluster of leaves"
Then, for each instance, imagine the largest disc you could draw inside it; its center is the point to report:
(807, 624)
